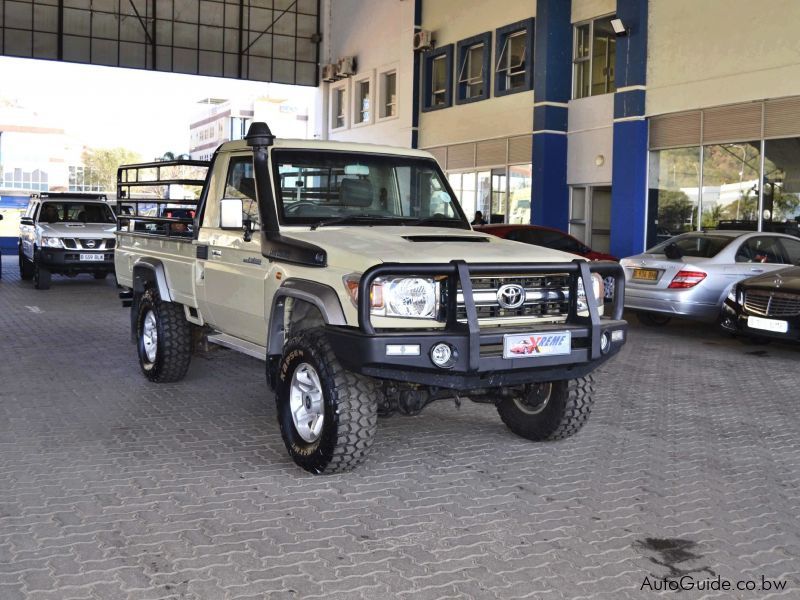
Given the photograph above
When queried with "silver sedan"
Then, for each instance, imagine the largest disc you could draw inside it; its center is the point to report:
(690, 274)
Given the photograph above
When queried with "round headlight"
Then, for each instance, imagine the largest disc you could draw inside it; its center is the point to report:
(410, 297)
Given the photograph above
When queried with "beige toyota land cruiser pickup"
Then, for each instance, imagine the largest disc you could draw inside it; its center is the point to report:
(352, 271)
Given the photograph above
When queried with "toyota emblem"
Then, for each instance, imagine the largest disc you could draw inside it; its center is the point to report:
(511, 295)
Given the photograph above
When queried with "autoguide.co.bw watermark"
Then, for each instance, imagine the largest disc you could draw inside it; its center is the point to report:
(687, 582)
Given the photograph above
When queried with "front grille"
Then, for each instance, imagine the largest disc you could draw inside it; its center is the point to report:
(91, 244)
(546, 298)
(86, 243)
(771, 304)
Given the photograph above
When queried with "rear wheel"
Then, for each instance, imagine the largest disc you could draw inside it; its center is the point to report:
(651, 319)
(549, 411)
(163, 339)
(327, 415)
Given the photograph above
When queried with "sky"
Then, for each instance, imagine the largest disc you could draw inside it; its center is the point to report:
(145, 111)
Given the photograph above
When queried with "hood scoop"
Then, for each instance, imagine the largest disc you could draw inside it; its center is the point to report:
(444, 238)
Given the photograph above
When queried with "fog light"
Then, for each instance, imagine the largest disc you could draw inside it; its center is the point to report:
(402, 349)
(617, 335)
(605, 342)
(442, 355)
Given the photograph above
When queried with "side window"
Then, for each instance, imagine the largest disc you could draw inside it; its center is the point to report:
(791, 251)
(241, 183)
(761, 250)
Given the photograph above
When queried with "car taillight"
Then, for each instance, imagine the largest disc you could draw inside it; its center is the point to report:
(686, 279)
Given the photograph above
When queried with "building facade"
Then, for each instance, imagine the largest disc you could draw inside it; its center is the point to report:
(600, 117)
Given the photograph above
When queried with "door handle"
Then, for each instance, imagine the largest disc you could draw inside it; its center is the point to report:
(216, 253)
(756, 270)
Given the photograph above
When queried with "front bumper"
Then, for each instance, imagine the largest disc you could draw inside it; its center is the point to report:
(478, 354)
(733, 319)
(61, 260)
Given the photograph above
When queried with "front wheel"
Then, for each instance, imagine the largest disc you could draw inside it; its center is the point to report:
(41, 276)
(25, 267)
(549, 411)
(327, 415)
(163, 339)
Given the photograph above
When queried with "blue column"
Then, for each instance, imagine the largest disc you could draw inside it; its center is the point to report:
(552, 72)
(629, 173)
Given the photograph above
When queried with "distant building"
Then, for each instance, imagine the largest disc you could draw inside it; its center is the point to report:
(221, 120)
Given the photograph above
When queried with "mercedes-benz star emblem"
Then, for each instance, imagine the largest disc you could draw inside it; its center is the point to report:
(511, 295)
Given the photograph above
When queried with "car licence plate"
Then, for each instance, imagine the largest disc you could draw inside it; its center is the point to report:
(645, 274)
(768, 324)
(524, 345)
(92, 257)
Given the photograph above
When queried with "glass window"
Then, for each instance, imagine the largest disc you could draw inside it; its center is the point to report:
(674, 192)
(440, 80)
(319, 186)
(389, 94)
(362, 101)
(730, 185)
(593, 58)
(781, 184)
(337, 108)
(519, 189)
(791, 251)
(471, 77)
(241, 183)
(762, 249)
(697, 245)
(76, 212)
(499, 195)
(514, 58)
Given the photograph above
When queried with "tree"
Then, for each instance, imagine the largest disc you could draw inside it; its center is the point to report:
(675, 210)
(101, 165)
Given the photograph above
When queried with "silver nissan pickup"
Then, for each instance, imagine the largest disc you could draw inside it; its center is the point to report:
(353, 273)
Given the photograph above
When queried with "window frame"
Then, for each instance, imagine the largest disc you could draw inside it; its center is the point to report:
(502, 36)
(429, 58)
(463, 51)
(357, 110)
(382, 97)
(338, 109)
(589, 58)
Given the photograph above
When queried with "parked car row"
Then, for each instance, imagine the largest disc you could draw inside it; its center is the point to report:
(747, 281)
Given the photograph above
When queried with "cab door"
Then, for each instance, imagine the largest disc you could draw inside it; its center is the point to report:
(27, 233)
(231, 279)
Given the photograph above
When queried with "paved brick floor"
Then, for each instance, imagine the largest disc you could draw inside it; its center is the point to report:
(112, 487)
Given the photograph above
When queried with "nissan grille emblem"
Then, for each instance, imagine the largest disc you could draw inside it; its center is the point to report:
(511, 295)
(90, 243)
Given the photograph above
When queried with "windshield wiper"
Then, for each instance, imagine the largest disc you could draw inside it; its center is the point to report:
(435, 219)
(351, 219)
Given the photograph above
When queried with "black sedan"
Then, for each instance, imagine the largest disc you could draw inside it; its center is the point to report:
(767, 305)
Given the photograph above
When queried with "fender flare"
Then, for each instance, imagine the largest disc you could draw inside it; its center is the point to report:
(324, 297)
(147, 269)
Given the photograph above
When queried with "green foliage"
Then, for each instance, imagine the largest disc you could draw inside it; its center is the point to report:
(675, 210)
(102, 163)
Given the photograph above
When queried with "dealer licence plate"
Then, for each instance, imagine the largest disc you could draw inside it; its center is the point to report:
(767, 324)
(524, 345)
(92, 257)
(645, 274)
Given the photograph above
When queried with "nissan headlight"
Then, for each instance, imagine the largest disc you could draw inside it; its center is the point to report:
(52, 242)
(407, 297)
(598, 291)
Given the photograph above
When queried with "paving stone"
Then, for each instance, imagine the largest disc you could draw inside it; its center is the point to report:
(114, 487)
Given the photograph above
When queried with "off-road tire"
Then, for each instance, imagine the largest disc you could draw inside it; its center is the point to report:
(41, 276)
(566, 411)
(350, 407)
(173, 348)
(25, 267)
(650, 319)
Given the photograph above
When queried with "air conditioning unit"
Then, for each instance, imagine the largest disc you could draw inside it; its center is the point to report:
(347, 66)
(423, 40)
(329, 73)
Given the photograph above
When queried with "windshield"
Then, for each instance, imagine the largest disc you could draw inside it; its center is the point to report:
(317, 186)
(75, 212)
(697, 245)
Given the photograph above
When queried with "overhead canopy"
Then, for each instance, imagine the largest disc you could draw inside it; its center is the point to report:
(260, 40)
